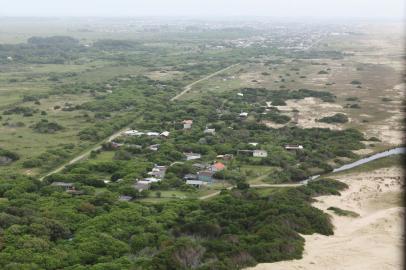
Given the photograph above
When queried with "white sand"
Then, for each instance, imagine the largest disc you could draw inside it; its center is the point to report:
(372, 241)
(310, 109)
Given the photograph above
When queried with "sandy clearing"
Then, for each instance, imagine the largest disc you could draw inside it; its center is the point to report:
(372, 241)
(390, 131)
(310, 109)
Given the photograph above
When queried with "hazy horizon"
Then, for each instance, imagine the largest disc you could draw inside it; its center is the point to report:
(368, 9)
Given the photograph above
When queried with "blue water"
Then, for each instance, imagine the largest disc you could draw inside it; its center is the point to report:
(391, 152)
(395, 151)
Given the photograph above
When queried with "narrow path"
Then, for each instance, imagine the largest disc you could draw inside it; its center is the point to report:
(189, 86)
(85, 154)
(254, 186)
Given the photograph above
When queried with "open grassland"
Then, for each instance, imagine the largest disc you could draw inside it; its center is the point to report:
(367, 82)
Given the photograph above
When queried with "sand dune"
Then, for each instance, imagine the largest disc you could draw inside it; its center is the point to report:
(372, 241)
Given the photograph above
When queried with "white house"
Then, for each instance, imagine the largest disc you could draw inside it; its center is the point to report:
(165, 134)
(154, 147)
(196, 183)
(187, 124)
(260, 153)
(130, 132)
(293, 147)
(150, 180)
(158, 171)
(211, 131)
(240, 94)
(192, 156)
(153, 134)
(253, 143)
(244, 114)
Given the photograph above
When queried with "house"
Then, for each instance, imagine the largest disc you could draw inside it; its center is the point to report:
(130, 132)
(293, 147)
(253, 143)
(196, 183)
(205, 176)
(187, 124)
(142, 185)
(190, 177)
(225, 157)
(153, 134)
(67, 186)
(75, 192)
(260, 153)
(150, 180)
(192, 156)
(158, 171)
(240, 94)
(211, 131)
(165, 134)
(154, 147)
(218, 166)
(243, 115)
(115, 145)
(200, 166)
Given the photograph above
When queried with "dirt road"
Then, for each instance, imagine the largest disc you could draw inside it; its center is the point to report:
(189, 86)
(85, 154)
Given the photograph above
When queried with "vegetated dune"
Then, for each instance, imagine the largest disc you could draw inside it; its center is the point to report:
(374, 240)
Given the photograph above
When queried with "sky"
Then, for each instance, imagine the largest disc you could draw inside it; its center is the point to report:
(392, 9)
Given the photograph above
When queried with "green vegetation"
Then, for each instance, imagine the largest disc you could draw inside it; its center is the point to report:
(356, 82)
(44, 126)
(342, 212)
(7, 157)
(337, 118)
(240, 228)
(62, 98)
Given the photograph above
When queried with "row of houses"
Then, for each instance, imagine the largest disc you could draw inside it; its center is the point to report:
(255, 153)
(205, 176)
(155, 175)
(133, 132)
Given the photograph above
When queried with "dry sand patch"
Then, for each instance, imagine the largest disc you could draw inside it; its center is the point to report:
(310, 109)
(372, 241)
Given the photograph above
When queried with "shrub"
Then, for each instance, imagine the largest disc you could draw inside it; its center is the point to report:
(337, 118)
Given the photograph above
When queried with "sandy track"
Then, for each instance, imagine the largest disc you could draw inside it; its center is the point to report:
(372, 241)
(85, 154)
(189, 87)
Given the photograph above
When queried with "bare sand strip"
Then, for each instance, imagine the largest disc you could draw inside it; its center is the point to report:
(374, 240)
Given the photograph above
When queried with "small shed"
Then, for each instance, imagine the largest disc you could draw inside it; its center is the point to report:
(206, 176)
(211, 131)
(63, 185)
(294, 147)
(187, 124)
(190, 177)
(196, 183)
(192, 156)
(260, 153)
